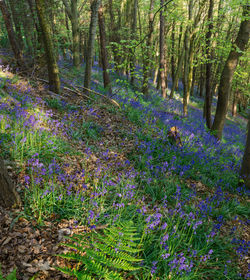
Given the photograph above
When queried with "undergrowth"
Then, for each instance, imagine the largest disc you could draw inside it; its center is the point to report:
(67, 172)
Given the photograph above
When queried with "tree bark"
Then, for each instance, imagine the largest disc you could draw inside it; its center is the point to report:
(162, 53)
(8, 195)
(172, 52)
(235, 102)
(16, 19)
(53, 71)
(11, 34)
(133, 31)
(147, 56)
(245, 168)
(73, 15)
(209, 65)
(104, 54)
(228, 72)
(92, 32)
(177, 74)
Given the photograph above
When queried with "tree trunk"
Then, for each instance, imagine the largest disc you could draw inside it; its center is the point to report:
(73, 15)
(147, 56)
(162, 53)
(92, 32)
(177, 74)
(104, 54)
(235, 102)
(209, 66)
(202, 84)
(11, 35)
(172, 52)
(16, 20)
(133, 32)
(245, 168)
(228, 72)
(8, 195)
(53, 71)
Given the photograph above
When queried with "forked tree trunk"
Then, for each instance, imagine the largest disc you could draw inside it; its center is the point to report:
(228, 72)
(53, 71)
(8, 195)
(90, 53)
(104, 54)
(245, 168)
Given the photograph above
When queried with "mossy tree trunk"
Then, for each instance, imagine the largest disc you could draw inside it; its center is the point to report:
(228, 72)
(245, 168)
(8, 195)
(53, 70)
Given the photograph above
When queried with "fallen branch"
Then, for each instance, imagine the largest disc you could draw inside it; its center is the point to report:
(71, 90)
(102, 95)
(95, 92)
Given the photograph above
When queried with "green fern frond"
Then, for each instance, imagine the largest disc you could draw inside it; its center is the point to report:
(104, 256)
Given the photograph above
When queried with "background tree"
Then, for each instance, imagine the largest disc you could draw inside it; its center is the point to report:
(245, 168)
(92, 33)
(72, 12)
(11, 35)
(53, 71)
(238, 48)
(104, 54)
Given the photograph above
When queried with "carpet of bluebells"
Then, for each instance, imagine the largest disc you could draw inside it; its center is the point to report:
(185, 201)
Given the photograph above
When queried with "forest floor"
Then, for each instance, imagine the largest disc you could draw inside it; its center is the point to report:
(80, 164)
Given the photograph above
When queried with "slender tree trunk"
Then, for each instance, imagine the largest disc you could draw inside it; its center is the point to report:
(235, 102)
(11, 35)
(53, 71)
(146, 62)
(202, 84)
(134, 36)
(75, 34)
(16, 20)
(172, 52)
(177, 74)
(162, 53)
(245, 168)
(8, 195)
(104, 54)
(92, 32)
(209, 65)
(228, 72)
(187, 60)
(193, 81)
(36, 24)
(72, 12)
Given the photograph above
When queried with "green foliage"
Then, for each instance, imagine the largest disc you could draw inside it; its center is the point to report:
(103, 256)
(11, 276)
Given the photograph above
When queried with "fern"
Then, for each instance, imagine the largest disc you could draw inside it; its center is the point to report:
(103, 256)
